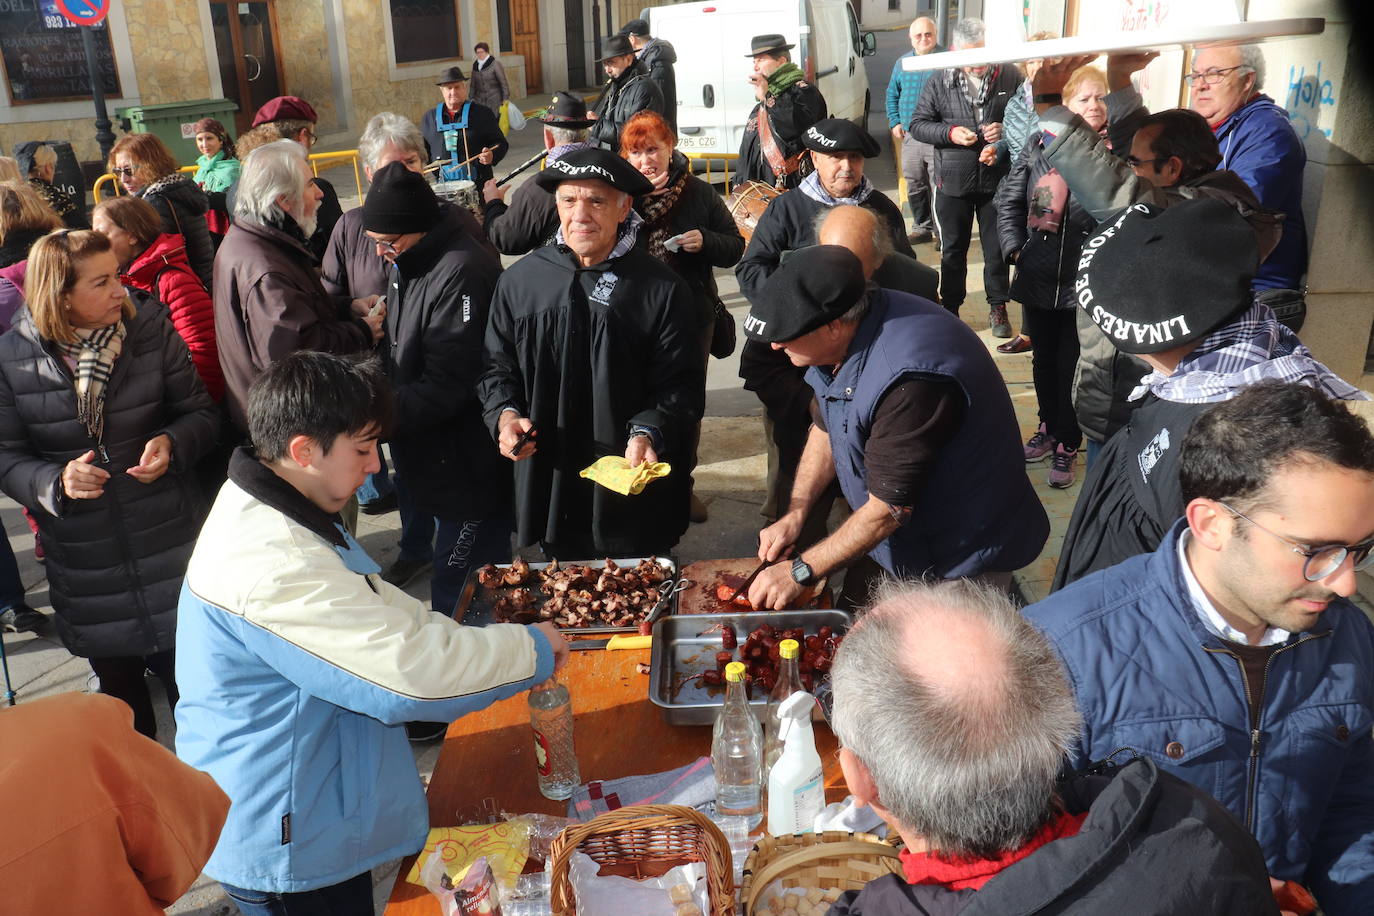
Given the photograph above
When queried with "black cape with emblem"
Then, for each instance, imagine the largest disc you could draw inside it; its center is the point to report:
(586, 354)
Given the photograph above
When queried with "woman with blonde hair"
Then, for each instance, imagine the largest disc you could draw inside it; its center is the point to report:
(24, 219)
(101, 413)
(145, 168)
(9, 169)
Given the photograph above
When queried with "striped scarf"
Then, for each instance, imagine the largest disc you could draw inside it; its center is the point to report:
(94, 352)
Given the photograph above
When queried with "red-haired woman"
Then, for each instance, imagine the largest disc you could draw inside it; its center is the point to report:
(686, 223)
(145, 167)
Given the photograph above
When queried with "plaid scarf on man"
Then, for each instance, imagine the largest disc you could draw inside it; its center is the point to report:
(1251, 348)
(94, 351)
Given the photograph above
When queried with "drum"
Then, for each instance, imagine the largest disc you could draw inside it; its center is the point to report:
(463, 193)
(746, 204)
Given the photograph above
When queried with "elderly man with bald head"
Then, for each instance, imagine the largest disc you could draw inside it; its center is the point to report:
(954, 717)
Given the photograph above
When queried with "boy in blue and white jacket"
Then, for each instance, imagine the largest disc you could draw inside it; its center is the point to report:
(299, 666)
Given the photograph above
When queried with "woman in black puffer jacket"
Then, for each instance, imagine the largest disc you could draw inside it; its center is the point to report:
(1042, 231)
(146, 168)
(101, 416)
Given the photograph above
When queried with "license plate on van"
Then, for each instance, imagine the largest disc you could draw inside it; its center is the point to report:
(687, 142)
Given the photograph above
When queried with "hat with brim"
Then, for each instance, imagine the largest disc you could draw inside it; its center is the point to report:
(399, 202)
(594, 165)
(451, 75)
(811, 289)
(1156, 279)
(768, 44)
(615, 46)
(285, 108)
(836, 135)
(566, 110)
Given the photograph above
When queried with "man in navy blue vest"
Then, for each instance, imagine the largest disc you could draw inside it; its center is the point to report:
(914, 421)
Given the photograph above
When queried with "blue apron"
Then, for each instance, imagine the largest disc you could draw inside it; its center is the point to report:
(450, 134)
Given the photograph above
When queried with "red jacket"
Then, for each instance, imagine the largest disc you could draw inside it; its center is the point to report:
(163, 264)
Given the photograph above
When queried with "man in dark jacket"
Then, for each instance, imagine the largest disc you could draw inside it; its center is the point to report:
(462, 132)
(839, 150)
(659, 56)
(1259, 144)
(594, 350)
(913, 420)
(959, 112)
(532, 218)
(439, 289)
(268, 297)
(984, 717)
(1230, 656)
(1204, 338)
(771, 150)
(629, 91)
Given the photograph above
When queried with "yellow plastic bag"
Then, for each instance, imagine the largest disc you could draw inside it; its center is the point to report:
(614, 473)
(505, 117)
(505, 845)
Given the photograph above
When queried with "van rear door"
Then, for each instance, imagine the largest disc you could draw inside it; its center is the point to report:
(712, 40)
(837, 56)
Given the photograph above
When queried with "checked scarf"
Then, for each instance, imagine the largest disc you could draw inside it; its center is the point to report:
(94, 352)
(811, 187)
(1252, 348)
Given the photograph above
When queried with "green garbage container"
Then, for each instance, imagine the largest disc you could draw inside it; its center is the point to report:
(172, 121)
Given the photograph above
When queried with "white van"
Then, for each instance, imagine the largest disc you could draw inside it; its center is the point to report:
(712, 40)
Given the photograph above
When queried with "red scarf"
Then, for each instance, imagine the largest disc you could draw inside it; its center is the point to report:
(958, 874)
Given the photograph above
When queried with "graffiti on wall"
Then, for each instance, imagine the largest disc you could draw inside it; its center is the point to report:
(1143, 14)
(1308, 94)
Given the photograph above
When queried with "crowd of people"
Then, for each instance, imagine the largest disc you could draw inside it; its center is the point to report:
(196, 385)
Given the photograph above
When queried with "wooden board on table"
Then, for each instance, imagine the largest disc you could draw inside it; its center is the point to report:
(700, 597)
(1235, 33)
(617, 731)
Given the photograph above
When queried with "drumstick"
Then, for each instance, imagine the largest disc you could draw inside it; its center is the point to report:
(439, 165)
(536, 158)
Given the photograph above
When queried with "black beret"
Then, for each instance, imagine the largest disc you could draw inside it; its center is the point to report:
(598, 164)
(400, 201)
(836, 135)
(814, 287)
(566, 109)
(636, 27)
(1154, 279)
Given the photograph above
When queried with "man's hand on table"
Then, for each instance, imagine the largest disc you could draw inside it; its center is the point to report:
(558, 642)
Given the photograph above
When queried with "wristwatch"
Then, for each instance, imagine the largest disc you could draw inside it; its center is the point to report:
(802, 573)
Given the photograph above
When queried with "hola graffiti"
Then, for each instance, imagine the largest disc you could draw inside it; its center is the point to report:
(1307, 95)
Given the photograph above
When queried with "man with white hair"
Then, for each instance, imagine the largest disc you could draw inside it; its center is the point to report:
(1258, 144)
(918, 159)
(954, 717)
(268, 298)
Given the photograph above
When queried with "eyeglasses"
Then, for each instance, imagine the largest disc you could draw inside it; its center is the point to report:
(1320, 562)
(1135, 163)
(1210, 77)
(122, 171)
(389, 245)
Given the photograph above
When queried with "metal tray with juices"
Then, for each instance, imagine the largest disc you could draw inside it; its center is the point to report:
(477, 602)
(686, 646)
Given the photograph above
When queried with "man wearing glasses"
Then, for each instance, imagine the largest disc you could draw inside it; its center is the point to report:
(1259, 145)
(1230, 655)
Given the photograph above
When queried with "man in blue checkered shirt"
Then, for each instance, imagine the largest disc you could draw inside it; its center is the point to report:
(918, 159)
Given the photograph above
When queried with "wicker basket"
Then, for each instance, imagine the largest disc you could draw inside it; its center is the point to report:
(657, 836)
(835, 858)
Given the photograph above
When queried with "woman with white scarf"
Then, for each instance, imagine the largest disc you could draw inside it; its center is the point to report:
(101, 416)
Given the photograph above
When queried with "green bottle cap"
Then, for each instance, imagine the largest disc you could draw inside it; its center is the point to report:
(788, 648)
(734, 671)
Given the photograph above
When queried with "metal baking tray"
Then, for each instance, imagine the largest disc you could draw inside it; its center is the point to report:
(683, 647)
(479, 601)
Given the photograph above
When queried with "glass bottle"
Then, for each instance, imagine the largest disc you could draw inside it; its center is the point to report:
(551, 717)
(737, 752)
(788, 683)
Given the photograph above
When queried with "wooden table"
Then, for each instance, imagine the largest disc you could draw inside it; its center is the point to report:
(618, 733)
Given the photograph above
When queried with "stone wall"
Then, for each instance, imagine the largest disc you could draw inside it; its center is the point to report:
(305, 58)
(169, 50)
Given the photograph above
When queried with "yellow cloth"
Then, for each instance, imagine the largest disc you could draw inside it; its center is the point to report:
(614, 473)
(506, 846)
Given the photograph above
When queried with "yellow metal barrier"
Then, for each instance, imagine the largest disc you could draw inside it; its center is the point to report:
(317, 161)
(704, 156)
